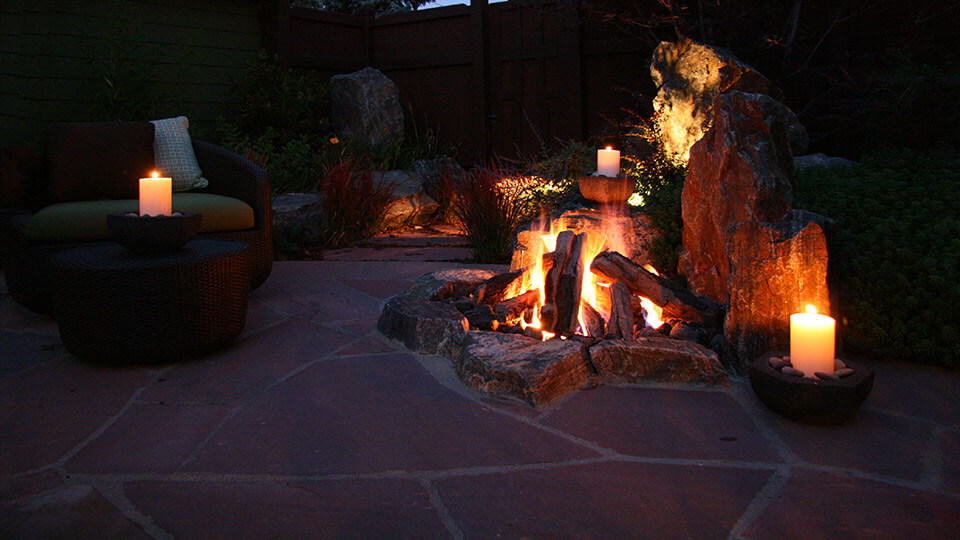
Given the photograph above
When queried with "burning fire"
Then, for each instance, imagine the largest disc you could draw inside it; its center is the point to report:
(592, 289)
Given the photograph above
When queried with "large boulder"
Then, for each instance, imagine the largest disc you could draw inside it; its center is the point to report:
(740, 171)
(689, 75)
(776, 269)
(365, 105)
(412, 205)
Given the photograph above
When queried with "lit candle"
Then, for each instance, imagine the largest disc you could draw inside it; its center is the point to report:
(608, 162)
(812, 339)
(156, 196)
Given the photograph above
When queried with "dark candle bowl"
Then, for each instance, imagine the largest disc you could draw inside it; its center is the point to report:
(810, 401)
(146, 234)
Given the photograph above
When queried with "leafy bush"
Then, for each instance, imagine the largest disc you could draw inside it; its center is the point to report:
(895, 254)
(280, 123)
(659, 185)
(355, 205)
(488, 214)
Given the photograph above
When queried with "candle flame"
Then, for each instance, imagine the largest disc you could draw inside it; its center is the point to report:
(609, 147)
(155, 174)
(811, 310)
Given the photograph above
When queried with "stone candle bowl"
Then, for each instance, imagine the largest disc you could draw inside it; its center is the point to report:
(147, 234)
(603, 189)
(810, 401)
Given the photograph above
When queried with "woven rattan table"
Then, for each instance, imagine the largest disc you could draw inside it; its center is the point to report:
(114, 305)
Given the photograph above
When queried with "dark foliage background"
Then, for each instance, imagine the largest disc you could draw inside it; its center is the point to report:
(859, 73)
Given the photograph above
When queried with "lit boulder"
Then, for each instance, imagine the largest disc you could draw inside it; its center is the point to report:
(688, 76)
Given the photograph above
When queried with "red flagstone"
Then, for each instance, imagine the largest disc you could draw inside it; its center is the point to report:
(663, 423)
(364, 415)
(817, 505)
(386, 508)
(602, 500)
(149, 439)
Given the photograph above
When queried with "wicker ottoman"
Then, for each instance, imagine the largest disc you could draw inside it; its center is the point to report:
(113, 305)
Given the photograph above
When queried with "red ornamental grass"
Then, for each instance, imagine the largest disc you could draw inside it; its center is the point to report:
(355, 204)
(488, 215)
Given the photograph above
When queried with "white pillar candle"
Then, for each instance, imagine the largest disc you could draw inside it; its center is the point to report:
(812, 339)
(608, 162)
(156, 196)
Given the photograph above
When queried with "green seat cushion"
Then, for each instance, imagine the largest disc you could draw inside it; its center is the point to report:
(87, 220)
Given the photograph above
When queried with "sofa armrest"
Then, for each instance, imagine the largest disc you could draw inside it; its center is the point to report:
(234, 176)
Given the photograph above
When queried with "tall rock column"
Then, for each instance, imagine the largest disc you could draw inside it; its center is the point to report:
(739, 171)
(776, 269)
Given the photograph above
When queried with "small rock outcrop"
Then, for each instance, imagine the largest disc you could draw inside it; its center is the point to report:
(689, 75)
(412, 205)
(365, 105)
(298, 211)
(433, 172)
(776, 269)
(820, 160)
(740, 171)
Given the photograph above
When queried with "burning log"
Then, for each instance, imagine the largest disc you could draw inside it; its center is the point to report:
(569, 287)
(499, 287)
(595, 327)
(503, 286)
(512, 309)
(677, 302)
(620, 325)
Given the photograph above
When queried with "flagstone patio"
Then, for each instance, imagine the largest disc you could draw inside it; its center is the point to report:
(314, 425)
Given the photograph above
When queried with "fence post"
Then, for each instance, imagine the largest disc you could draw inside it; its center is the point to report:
(479, 45)
(570, 54)
(275, 29)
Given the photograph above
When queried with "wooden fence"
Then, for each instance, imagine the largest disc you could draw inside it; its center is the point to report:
(492, 78)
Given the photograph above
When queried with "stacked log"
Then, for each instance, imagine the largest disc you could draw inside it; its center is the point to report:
(676, 301)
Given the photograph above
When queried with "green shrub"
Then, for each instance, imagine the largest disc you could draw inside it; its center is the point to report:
(280, 122)
(895, 253)
(659, 185)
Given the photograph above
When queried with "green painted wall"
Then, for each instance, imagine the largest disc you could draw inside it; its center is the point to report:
(169, 57)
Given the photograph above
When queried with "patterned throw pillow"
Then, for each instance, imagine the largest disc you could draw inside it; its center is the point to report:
(174, 154)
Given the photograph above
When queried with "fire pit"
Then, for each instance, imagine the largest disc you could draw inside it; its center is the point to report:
(579, 310)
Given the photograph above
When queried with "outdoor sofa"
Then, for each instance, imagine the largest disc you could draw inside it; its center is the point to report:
(60, 199)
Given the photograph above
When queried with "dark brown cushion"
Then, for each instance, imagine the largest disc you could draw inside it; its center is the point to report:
(101, 160)
(16, 176)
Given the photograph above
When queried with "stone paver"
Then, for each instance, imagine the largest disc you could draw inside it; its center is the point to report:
(250, 365)
(313, 424)
(652, 422)
(602, 500)
(76, 511)
(872, 442)
(149, 439)
(370, 415)
(387, 508)
(46, 412)
(820, 505)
